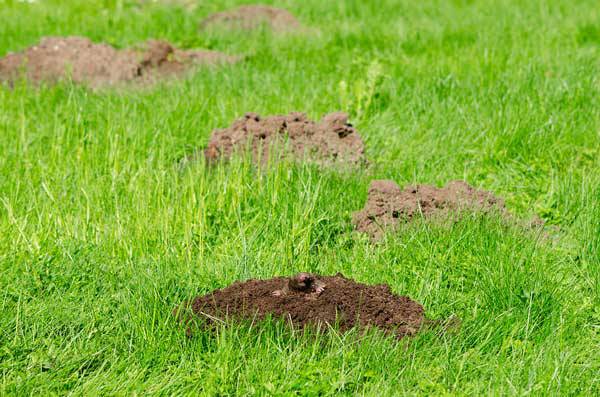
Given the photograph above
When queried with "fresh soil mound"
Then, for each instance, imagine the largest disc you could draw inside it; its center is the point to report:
(332, 140)
(81, 60)
(309, 300)
(251, 17)
(388, 206)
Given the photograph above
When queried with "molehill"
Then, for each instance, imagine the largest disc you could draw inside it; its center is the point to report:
(85, 62)
(250, 17)
(388, 206)
(332, 140)
(309, 300)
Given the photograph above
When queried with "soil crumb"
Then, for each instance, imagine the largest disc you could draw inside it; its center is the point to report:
(250, 17)
(331, 140)
(388, 206)
(85, 62)
(310, 300)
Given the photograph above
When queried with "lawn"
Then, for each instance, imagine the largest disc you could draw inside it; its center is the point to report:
(102, 234)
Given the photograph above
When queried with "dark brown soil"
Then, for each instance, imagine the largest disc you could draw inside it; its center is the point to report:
(388, 206)
(332, 140)
(81, 60)
(309, 300)
(251, 17)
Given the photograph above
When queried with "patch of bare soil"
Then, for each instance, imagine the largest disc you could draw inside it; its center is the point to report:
(251, 17)
(85, 62)
(332, 140)
(310, 300)
(388, 206)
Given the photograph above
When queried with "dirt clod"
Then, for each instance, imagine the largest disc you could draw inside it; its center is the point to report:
(332, 140)
(388, 206)
(85, 62)
(311, 300)
(251, 17)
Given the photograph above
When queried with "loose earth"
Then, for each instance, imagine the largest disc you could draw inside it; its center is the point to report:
(331, 140)
(250, 17)
(388, 206)
(85, 62)
(312, 300)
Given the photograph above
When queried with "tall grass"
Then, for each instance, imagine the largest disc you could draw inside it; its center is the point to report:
(102, 234)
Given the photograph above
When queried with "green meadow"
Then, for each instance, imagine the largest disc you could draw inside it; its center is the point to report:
(102, 234)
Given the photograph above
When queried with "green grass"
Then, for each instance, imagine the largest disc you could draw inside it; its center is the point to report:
(101, 235)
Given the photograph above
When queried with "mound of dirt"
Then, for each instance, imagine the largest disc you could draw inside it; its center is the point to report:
(251, 17)
(309, 300)
(85, 62)
(332, 140)
(388, 206)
